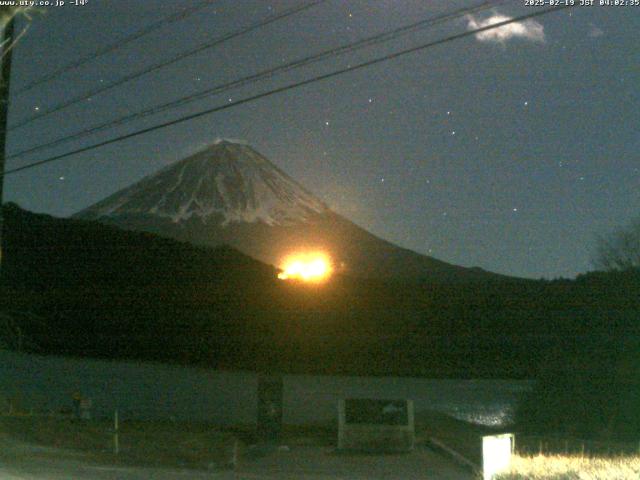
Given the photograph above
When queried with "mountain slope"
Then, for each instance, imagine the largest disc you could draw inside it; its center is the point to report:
(230, 194)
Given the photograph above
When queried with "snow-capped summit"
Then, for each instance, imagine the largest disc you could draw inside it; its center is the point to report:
(228, 182)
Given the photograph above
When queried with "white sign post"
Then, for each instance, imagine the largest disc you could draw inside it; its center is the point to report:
(496, 454)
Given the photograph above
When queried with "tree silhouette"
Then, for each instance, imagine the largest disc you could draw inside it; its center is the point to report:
(620, 250)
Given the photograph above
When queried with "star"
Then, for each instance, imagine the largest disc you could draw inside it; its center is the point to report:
(453, 132)
(448, 112)
(382, 180)
(370, 100)
(526, 103)
(230, 99)
(327, 123)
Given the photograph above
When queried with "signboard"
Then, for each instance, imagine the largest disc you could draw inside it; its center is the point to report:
(376, 412)
(375, 425)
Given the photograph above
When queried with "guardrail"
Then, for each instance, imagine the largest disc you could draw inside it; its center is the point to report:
(454, 455)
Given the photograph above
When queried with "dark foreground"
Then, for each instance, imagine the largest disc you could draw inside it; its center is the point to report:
(27, 462)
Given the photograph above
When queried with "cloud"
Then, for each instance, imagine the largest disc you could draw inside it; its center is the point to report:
(528, 30)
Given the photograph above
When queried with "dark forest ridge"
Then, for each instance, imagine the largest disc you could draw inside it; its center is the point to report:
(82, 288)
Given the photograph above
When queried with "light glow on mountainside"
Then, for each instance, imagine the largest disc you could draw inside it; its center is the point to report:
(308, 267)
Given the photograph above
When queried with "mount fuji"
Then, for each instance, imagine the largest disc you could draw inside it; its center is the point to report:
(230, 194)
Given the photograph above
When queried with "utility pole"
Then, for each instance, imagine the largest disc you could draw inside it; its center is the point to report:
(5, 76)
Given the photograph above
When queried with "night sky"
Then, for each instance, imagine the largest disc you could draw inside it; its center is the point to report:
(510, 151)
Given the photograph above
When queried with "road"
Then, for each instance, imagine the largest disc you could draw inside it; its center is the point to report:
(318, 463)
(23, 462)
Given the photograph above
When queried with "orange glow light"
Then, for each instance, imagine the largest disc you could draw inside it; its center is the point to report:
(308, 267)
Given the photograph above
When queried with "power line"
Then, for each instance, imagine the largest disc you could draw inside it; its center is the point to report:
(176, 58)
(176, 16)
(268, 73)
(290, 87)
(7, 43)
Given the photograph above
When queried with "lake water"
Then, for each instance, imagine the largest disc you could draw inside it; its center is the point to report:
(149, 390)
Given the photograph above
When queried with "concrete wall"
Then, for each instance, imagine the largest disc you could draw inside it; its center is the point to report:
(143, 390)
(148, 390)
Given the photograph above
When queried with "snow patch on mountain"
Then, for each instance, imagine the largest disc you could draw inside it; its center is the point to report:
(228, 181)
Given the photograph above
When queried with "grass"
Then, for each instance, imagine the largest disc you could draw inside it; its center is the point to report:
(561, 467)
(157, 443)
